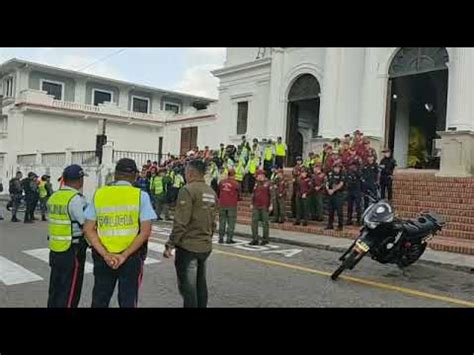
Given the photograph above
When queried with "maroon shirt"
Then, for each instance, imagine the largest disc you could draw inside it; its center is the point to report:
(281, 188)
(229, 191)
(319, 181)
(261, 195)
(304, 186)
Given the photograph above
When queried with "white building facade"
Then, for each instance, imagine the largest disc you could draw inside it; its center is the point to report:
(309, 96)
(49, 114)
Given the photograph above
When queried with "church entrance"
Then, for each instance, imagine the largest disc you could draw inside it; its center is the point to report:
(418, 90)
(303, 116)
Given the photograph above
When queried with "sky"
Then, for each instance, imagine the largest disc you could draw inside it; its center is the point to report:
(180, 69)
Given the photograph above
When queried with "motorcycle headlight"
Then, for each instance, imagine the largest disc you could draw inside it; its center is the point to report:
(371, 225)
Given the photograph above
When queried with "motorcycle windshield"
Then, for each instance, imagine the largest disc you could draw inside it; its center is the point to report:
(381, 212)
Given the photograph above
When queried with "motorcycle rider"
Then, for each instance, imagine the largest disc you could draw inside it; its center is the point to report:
(16, 193)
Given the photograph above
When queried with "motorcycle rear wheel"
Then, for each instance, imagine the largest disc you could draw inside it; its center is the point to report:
(412, 255)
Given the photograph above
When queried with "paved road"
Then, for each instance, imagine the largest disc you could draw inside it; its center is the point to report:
(241, 276)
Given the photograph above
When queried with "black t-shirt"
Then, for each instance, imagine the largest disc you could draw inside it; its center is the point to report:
(370, 173)
(387, 166)
(354, 180)
(334, 179)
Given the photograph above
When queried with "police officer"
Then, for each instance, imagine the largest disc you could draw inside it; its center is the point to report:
(335, 187)
(387, 166)
(16, 191)
(268, 156)
(31, 196)
(66, 241)
(45, 191)
(354, 187)
(118, 225)
(229, 195)
(370, 179)
(193, 228)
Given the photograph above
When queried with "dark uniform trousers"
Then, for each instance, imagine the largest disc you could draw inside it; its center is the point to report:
(67, 274)
(386, 186)
(191, 273)
(370, 189)
(279, 161)
(354, 197)
(227, 220)
(279, 209)
(129, 277)
(335, 206)
(302, 209)
(31, 201)
(260, 215)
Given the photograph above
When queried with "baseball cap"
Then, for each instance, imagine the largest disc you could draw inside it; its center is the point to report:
(32, 174)
(126, 165)
(73, 172)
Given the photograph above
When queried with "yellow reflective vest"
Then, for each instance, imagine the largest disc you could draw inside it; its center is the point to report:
(280, 149)
(42, 189)
(157, 186)
(253, 164)
(59, 221)
(118, 211)
(239, 171)
(268, 153)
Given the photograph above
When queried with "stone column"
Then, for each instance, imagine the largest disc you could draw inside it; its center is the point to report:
(330, 93)
(461, 90)
(275, 121)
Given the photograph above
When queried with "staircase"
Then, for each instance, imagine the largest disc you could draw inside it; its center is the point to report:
(414, 192)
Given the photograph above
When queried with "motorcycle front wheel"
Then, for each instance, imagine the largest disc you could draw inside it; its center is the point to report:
(348, 263)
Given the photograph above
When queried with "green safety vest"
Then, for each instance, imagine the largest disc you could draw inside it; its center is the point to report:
(268, 153)
(157, 185)
(178, 181)
(280, 149)
(42, 189)
(239, 172)
(59, 220)
(253, 165)
(309, 162)
(118, 210)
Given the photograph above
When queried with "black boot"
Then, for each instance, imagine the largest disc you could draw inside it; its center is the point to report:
(329, 227)
(340, 227)
(254, 242)
(305, 224)
(221, 241)
(14, 219)
(297, 223)
(43, 218)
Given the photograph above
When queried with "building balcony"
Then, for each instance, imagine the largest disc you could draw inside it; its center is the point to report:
(36, 100)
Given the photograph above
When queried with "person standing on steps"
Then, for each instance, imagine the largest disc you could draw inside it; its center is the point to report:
(334, 187)
(302, 198)
(280, 198)
(387, 167)
(193, 228)
(280, 153)
(354, 192)
(370, 179)
(296, 173)
(318, 181)
(261, 206)
(229, 196)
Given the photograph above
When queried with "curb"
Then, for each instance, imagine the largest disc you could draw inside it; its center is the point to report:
(450, 266)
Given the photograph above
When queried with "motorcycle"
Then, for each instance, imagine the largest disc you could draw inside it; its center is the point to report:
(389, 240)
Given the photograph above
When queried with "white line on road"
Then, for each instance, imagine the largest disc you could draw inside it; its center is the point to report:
(14, 274)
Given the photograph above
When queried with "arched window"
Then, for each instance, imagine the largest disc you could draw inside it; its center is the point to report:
(417, 60)
(306, 87)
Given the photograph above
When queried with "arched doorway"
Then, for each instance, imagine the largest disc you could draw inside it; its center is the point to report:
(303, 114)
(418, 91)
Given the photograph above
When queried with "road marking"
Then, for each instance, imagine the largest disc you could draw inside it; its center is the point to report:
(357, 280)
(14, 274)
(43, 255)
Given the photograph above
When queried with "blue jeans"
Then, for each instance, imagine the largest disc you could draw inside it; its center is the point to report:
(191, 272)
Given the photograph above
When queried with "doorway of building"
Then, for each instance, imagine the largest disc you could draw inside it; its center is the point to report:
(188, 139)
(303, 115)
(418, 89)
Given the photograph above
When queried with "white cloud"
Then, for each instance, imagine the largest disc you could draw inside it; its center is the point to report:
(197, 79)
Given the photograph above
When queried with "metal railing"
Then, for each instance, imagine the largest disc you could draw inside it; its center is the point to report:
(26, 159)
(139, 157)
(85, 158)
(53, 159)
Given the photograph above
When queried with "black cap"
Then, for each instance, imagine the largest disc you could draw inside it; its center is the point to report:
(126, 165)
(32, 174)
(73, 172)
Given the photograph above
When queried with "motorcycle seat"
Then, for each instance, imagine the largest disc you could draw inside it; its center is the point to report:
(421, 226)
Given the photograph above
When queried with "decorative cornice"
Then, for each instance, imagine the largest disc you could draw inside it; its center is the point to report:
(242, 67)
